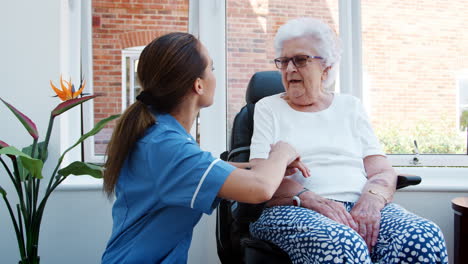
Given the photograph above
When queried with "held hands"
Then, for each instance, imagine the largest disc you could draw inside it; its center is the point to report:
(294, 160)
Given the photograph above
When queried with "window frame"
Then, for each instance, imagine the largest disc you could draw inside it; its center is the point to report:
(76, 58)
(133, 55)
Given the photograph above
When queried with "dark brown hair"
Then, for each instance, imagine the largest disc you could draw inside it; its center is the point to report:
(167, 69)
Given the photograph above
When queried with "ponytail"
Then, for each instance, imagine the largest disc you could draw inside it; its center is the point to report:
(130, 127)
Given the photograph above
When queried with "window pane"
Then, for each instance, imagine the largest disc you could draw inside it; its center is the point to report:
(413, 55)
(117, 26)
(251, 27)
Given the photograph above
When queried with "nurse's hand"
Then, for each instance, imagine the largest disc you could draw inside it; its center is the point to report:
(297, 165)
(294, 161)
(285, 149)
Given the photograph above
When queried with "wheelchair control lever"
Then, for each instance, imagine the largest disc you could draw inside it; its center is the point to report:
(415, 160)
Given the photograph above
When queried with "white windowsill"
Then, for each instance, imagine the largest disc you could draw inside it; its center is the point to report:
(80, 183)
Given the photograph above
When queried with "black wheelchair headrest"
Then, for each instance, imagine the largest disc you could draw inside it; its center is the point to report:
(264, 83)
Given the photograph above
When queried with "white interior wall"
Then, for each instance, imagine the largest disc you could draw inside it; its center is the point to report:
(77, 223)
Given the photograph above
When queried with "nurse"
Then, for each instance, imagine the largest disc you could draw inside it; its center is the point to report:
(162, 180)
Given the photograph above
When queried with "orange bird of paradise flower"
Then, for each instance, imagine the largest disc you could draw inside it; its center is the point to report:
(67, 90)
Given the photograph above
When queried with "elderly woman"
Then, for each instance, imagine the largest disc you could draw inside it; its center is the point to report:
(343, 212)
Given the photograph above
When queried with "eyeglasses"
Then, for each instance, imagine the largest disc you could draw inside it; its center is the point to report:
(298, 61)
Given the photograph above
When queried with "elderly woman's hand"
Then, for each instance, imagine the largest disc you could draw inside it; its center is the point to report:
(366, 213)
(331, 209)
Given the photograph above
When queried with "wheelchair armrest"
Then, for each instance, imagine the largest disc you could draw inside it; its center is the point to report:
(228, 155)
(224, 155)
(405, 180)
(237, 151)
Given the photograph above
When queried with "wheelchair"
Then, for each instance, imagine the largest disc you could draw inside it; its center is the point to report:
(235, 245)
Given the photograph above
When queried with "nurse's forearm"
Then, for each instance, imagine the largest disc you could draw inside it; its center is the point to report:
(285, 192)
(256, 185)
(270, 172)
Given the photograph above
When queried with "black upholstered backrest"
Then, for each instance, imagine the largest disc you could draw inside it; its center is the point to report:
(264, 83)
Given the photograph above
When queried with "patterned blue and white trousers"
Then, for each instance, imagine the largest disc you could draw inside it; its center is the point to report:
(310, 237)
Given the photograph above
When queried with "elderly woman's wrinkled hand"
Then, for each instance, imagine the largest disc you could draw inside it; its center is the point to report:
(367, 215)
(331, 209)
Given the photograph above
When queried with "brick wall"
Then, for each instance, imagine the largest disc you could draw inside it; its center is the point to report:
(412, 52)
(122, 24)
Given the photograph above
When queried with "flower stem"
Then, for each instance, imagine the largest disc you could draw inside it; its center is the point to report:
(19, 236)
(24, 208)
(47, 138)
(9, 173)
(20, 223)
(21, 212)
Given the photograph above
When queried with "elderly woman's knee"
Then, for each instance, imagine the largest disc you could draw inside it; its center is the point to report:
(426, 234)
(332, 244)
(342, 237)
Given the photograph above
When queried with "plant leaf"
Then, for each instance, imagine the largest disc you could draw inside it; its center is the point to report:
(27, 123)
(100, 125)
(69, 104)
(2, 191)
(34, 166)
(3, 144)
(27, 150)
(82, 168)
(40, 147)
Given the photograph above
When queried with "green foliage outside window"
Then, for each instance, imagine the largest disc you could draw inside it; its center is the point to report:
(439, 138)
(464, 120)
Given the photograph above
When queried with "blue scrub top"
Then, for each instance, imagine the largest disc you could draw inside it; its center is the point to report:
(163, 188)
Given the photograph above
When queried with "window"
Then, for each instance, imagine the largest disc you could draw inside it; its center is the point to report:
(130, 86)
(400, 59)
(411, 54)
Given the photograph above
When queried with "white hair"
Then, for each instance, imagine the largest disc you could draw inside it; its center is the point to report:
(326, 42)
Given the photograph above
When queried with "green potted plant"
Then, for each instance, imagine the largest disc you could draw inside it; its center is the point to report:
(26, 174)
